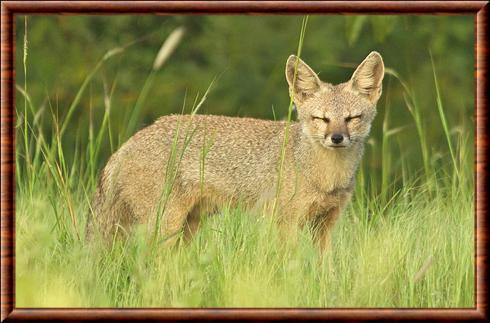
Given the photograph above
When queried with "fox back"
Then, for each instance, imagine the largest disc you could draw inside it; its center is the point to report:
(171, 173)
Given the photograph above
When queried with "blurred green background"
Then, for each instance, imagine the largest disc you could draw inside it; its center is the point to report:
(246, 57)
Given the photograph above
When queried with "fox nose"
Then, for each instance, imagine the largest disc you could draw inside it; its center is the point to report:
(337, 138)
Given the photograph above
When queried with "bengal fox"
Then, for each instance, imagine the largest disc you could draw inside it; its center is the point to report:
(181, 167)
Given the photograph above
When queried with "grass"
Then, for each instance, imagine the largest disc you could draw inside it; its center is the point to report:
(237, 260)
(406, 240)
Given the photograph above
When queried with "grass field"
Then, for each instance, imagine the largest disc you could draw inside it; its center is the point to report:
(406, 240)
(418, 252)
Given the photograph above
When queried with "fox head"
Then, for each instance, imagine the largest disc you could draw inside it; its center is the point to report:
(336, 116)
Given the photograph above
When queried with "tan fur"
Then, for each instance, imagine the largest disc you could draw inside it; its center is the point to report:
(219, 160)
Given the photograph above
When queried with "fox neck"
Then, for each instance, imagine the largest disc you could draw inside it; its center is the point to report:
(327, 169)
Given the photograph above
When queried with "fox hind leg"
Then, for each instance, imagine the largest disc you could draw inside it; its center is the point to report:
(176, 218)
(192, 222)
(110, 215)
(203, 208)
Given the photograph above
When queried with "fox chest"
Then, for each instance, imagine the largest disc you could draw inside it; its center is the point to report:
(320, 205)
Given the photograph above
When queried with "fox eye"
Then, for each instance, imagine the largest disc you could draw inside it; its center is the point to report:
(349, 118)
(326, 120)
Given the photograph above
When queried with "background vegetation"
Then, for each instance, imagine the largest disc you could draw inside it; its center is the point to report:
(86, 83)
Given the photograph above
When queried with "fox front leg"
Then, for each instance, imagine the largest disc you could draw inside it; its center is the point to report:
(322, 228)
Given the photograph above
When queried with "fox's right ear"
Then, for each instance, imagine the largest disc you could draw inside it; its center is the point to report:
(302, 80)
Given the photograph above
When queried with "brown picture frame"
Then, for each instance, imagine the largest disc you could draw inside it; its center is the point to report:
(11, 8)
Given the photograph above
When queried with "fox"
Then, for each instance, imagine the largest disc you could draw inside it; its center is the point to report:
(301, 171)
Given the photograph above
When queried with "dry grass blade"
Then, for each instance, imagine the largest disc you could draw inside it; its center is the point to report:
(423, 270)
(168, 47)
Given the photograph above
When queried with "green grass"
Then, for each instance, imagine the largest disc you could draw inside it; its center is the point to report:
(406, 240)
(238, 260)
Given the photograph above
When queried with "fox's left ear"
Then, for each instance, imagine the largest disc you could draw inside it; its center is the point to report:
(368, 78)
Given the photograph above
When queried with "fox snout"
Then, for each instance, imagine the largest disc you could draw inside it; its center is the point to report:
(336, 133)
(337, 140)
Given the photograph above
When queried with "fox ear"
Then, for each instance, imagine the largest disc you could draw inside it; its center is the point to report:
(368, 78)
(302, 80)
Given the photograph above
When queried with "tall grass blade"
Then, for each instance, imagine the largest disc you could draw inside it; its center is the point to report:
(109, 54)
(304, 23)
(442, 115)
(168, 47)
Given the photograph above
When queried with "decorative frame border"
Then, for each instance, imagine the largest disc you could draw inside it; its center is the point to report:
(11, 8)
